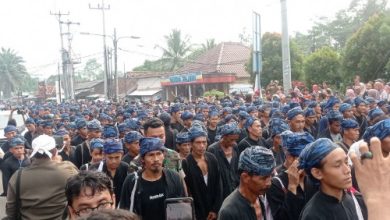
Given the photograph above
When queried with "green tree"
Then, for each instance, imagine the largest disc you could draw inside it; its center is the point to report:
(323, 65)
(272, 60)
(176, 49)
(12, 72)
(92, 71)
(368, 51)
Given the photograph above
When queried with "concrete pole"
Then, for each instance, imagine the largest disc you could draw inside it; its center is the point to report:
(285, 49)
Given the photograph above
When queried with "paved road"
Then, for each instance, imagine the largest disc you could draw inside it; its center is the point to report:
(2, 199)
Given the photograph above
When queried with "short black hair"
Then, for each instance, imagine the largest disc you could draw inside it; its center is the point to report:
(97, 181)
(153, 123)
(111, 214)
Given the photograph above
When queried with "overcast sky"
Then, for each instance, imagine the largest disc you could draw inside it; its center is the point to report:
(28, 28)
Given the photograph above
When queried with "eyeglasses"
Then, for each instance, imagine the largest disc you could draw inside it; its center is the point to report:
(86, 211)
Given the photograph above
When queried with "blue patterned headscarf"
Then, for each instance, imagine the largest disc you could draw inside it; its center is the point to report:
(112, 146)
(277, 126)
(110, 132)
(379, 130)
(376, 112)
(229, 129)
(344, 107)
(195, 132)
(294, 112)
(294, 143)
(148, 144)
(182, 138)
(257, 160)
(314, 153)
(96, 143)
(309, 112)
(16, 141)
(132, 136)
(349, 123)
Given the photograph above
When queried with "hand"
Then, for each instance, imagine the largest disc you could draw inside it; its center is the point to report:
(212, 216)
(294, 177)
(373, 176)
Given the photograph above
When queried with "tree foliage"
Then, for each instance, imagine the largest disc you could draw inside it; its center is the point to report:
(272, 60)
(176, 49)
(92, 71)
(12, 72)
(323, 65)
(368, 51)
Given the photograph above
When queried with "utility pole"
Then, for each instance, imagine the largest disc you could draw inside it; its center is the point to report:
(103, 8)
(70, 68)
(257, 52)
(63, 53)
(285, 50)
(115, 41)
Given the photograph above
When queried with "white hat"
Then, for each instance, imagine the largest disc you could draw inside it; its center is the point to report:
(43, 144)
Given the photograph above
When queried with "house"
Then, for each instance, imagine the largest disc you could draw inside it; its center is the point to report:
(219, 68)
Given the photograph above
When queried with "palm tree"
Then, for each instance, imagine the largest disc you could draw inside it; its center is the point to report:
(176, 49)
(12, 71)
(210, 44)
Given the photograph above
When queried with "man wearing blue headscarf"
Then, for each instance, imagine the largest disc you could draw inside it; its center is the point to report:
(254, 138)
(202, 176)
(213, 119)
(145, 191)
(296, 119)
(131, 141)
(82, 154)
(255, 168)
(113, 165)
(290, 191)
(360, 114)
(334, 126)
(349, 132)
(327, 164)
(310, 122)
(227, 154)
(17, 160)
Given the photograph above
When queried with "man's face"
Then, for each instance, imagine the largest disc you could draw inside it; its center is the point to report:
(10, 135)
(199, 145)
(184, 148)
(254, 114)
(348, 113)
(66, 139)
(297, 123)
(153, 161)
(48, 130)
(133, 147)
(255, 129)
(335, 172)
(230, 140)
(277, 140)
(335, 127)
(86, 202)
(177, 115)
(362, 108)
(259, 185)
(214, 121)
(30, 127)
(352, 133)
(113, 160)
(97, 155)
(187, 123)
(310, 120)
(205, 112)
(17, 151)
(336, 106)
(317, 109)
(83, 131)
(94, 134)
(156, 133)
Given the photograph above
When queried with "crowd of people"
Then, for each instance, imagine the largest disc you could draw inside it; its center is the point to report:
(288, 158)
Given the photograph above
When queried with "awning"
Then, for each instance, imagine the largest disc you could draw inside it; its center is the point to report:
(144, 92)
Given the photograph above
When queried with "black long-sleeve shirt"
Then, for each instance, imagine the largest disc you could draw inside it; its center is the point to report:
(325, 207)
(228, 169)
(9, 167)
(118, 179)
(207, 197)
